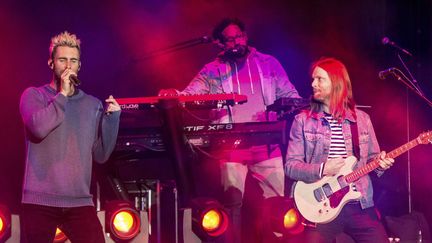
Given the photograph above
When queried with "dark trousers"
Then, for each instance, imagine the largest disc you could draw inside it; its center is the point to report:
(362, 225)
(80, 224)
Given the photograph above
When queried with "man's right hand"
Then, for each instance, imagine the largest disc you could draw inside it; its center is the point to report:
(333, 166)
(66, 86)
(168, 92)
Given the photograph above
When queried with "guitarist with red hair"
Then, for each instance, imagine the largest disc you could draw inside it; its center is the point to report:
(322, 139)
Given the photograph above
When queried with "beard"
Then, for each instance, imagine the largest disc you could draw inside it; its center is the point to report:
(321, 98)
(318, 98)
(237, 51)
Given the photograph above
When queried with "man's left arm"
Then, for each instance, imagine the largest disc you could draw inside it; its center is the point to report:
(107, 131)
(374, 151)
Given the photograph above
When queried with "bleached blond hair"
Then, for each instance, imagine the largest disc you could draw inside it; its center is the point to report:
(64, 39)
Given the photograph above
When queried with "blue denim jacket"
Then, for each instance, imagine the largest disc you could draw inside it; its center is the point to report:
(310, 143)
(216, 77)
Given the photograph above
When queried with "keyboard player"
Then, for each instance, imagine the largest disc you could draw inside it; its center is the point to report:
(240, 68)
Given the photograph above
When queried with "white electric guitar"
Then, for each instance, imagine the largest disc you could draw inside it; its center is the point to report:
(322, 201)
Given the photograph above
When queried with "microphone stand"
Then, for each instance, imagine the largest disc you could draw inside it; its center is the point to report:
(175, 47)
(411, 84)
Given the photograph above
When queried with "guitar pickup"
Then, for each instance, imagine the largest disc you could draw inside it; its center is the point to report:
(319, 194)
(342, 182)
(327, 190)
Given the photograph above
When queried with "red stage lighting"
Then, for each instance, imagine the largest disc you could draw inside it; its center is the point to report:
(122, 221)
(209, 218)
(281, 216)
(60, 237)
(293, 221)
(5, 223)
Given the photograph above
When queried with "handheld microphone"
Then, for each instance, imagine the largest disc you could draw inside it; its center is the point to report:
(386, 41)
(74, 79)
(383, 74)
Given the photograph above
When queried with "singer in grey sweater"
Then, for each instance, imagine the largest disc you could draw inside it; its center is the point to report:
(66, 129)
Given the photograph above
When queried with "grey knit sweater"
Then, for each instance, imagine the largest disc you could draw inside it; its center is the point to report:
(63, 136)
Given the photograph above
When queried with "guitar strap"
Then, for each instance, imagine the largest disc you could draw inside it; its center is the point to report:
(355, 139)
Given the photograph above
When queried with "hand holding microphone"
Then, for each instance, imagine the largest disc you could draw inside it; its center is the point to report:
(74, 79)
(68, 81)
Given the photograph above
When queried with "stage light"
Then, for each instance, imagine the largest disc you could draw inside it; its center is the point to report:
(293, 221)
(122, 221)
(5, 223)
(1, 225)
(60, 237)
(281, 216)
(209, 218)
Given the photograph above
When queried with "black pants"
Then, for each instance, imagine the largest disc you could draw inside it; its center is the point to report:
(80, 224)
(362, 225)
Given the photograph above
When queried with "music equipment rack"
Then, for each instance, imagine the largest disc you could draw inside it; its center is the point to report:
(229, 136)
(140, 131)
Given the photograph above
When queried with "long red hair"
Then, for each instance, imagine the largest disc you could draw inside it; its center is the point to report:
(341, 99)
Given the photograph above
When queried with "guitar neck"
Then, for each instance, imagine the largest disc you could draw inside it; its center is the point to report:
(355, 175)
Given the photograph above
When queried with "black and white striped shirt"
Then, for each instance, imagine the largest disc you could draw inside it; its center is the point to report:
(337, 144)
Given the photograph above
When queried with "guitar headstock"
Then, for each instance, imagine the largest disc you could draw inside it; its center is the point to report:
(425, 137)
